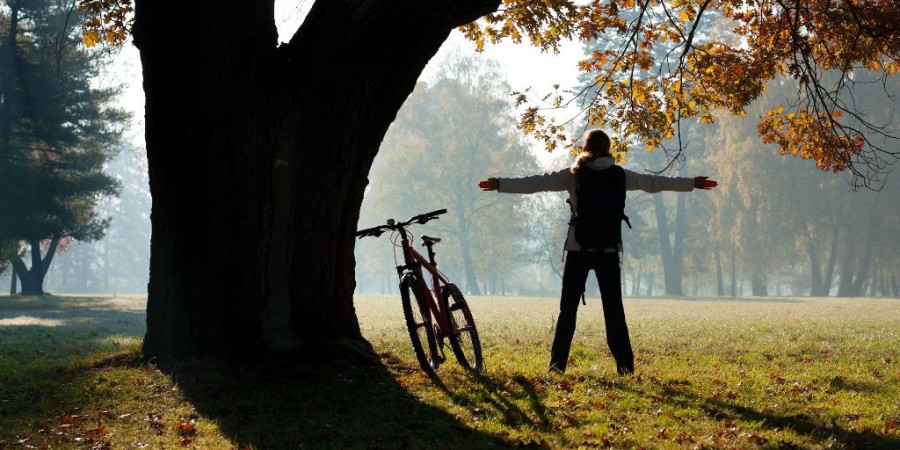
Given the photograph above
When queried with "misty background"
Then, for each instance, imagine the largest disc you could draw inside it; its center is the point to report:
(775, 226)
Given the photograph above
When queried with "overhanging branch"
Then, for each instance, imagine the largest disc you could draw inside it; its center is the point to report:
(470, 10)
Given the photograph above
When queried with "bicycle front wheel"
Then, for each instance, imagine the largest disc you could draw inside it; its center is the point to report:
(464, 336)
(420, 324)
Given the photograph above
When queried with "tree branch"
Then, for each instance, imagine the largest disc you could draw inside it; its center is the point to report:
(48, 258)
(470, 10)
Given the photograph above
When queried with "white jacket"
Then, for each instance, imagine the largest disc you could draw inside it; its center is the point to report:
(563, 180)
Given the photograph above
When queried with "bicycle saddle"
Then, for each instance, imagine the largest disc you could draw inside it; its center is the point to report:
(430, 240)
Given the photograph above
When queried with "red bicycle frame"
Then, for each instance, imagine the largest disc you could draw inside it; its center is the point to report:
(416, 262)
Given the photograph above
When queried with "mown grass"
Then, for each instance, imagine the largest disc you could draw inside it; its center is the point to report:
(767, 373)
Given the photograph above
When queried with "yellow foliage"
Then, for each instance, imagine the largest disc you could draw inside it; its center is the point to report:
(91, 38)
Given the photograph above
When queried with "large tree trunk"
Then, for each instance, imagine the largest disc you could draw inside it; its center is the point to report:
(258, 161)
(32, 278)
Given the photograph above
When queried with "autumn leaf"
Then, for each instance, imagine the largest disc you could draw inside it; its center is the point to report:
(97, 431)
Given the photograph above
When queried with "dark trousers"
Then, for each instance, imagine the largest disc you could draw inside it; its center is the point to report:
(606, 267)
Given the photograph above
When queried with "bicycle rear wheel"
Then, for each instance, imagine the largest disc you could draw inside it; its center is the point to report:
(464, 336)
(420, 324)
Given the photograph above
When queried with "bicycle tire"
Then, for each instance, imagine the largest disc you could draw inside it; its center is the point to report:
(464, 339)
(420, 325)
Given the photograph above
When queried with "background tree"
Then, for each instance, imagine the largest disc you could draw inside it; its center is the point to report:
(118, 263)
(784, 221)
(56, 134)
(449, 135)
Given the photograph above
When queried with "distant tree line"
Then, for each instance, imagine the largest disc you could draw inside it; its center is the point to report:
(776, 226)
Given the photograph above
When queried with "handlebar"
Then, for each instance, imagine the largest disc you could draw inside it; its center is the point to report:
(392, 225)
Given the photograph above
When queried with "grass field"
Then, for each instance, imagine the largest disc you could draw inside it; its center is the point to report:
(754, 373)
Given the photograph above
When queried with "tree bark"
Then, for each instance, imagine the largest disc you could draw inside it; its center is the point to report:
(759, 285)
(895, 285)
(678, 250)
(852, 281)
(7, 78)
(671, 265)
(636, 283)
(734, 290)
(720, 282)
(468, 266)
(32, 279)
(258, 157)
(13, 281)
(832, 259)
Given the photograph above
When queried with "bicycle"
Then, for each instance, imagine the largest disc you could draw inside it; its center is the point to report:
(433, 318)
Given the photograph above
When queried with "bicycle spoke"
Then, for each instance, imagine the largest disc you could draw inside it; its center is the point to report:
(419, 324)
(464, 339)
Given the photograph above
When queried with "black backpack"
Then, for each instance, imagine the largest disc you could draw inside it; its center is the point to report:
(601, 207)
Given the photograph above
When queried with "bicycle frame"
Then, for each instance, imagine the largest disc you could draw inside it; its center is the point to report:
(415, 262)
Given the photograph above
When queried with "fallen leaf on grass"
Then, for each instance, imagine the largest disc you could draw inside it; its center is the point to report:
(72, 419)
(157, 424)
(755, 439)
(99, 430)
(185, 428)
(891, 425)
(186, 431)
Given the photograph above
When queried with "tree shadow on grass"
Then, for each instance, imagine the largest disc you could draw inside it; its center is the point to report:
(56, 350)
(816, 430)
(281, 404)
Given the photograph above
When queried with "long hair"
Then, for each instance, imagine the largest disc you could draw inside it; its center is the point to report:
(596, 145)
